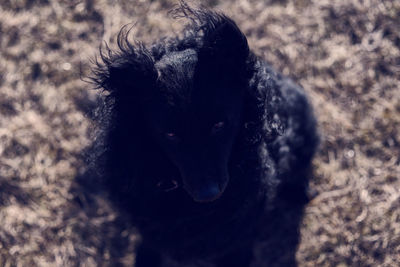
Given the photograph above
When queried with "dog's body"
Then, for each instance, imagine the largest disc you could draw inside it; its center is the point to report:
(205, 147)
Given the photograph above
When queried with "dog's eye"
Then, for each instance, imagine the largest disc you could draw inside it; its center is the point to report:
(171, 137)
(218, 127)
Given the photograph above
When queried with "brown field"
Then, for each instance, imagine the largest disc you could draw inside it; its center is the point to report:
(346, 54)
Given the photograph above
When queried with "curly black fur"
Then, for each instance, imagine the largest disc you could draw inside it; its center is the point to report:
(205, 146)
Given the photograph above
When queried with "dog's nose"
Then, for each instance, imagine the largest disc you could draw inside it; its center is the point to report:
(208, 193)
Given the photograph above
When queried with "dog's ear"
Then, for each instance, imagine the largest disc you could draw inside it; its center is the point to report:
(126, 73)
(130, 76)
(221, 37)
(224, 50)
(224, 40)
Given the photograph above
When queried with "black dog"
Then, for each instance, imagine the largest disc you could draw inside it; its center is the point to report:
(205, 147)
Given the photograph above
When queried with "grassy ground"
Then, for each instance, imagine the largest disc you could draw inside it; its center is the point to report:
(346, 54)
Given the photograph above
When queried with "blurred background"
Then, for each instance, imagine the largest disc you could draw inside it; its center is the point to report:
(346, 54)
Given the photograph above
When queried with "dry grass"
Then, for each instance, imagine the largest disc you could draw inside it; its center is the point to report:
(346, 54)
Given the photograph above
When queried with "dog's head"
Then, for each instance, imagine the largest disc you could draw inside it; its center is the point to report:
(190, 97)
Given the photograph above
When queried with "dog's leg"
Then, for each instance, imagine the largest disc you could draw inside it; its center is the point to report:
(146, 257)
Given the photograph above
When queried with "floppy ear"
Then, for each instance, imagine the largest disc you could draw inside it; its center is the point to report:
(224, 50)
(127, 72)
(220, 34)
(224, 40)
(130, 75)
